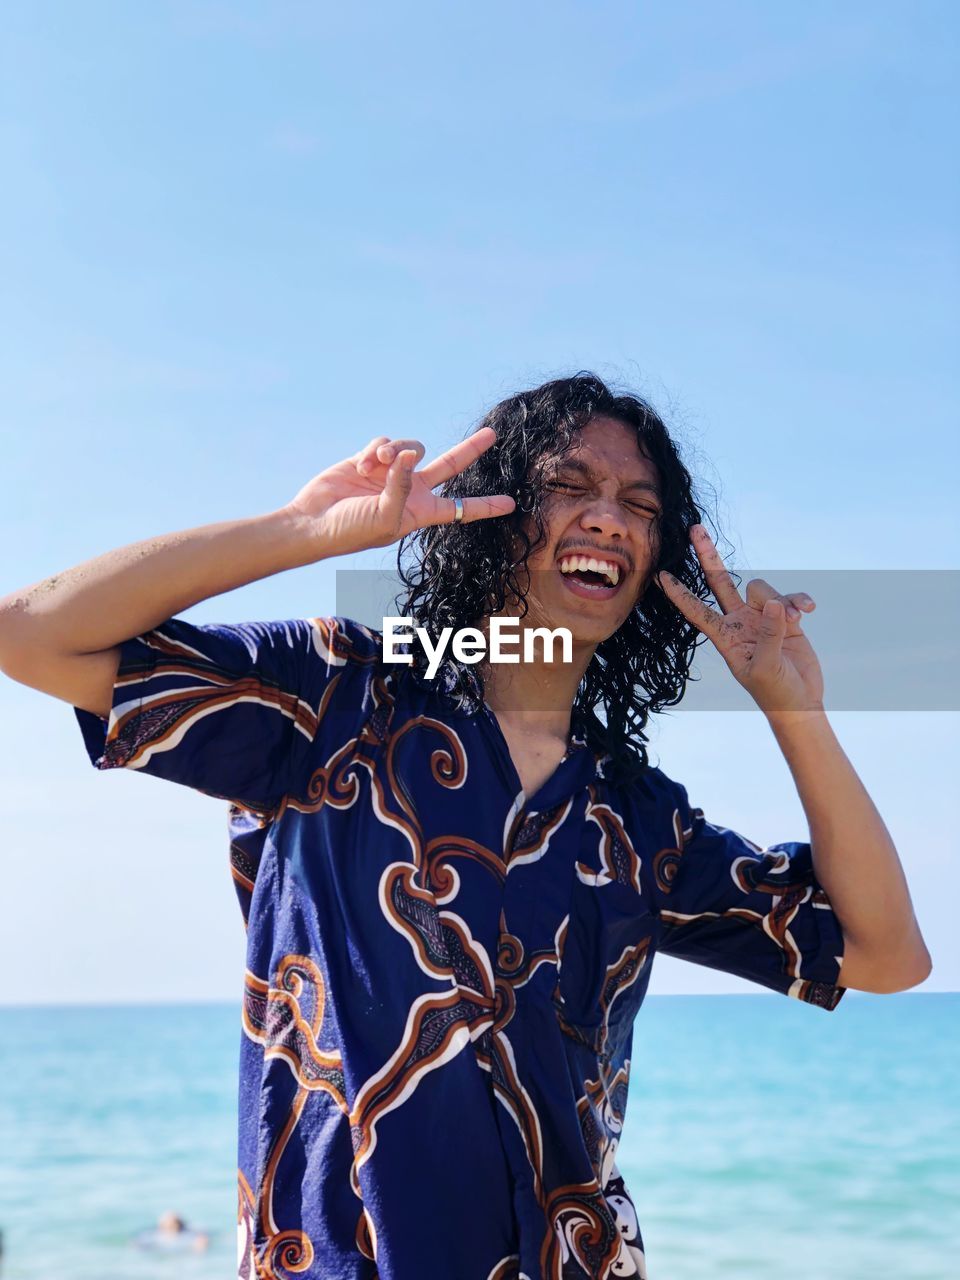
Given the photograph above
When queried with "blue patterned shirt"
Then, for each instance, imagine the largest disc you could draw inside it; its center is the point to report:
(442, 972)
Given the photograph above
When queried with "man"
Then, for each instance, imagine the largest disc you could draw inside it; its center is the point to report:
(172, 1232)
(454, 888)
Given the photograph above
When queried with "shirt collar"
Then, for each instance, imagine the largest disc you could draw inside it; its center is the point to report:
(470, 702)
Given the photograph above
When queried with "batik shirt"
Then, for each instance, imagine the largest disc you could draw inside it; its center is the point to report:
(442, 972)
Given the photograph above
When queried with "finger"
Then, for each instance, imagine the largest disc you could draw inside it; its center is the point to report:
(692, 607)
(759, 592)
(718, 578)
(803, 601)
(365, 458)
(396, 487)
(457, 458)
(773, 625)
(798, 603)
(393, 448)
(386, 452)
(497, 504)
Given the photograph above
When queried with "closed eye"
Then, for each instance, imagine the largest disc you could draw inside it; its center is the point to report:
(576, 488)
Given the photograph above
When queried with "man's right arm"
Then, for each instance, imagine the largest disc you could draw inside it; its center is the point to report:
(63, 635)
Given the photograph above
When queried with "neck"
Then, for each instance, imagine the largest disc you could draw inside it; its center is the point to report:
(535, 698)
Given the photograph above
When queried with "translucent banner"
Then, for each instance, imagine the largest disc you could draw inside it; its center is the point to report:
(886, 639)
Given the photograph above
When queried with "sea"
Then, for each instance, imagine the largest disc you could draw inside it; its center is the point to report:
(763, 1138)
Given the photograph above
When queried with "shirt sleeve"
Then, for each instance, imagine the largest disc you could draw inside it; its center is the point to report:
(758, 913)
(232, 710)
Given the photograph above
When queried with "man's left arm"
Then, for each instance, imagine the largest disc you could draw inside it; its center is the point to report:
(762, 642)
(854, 859)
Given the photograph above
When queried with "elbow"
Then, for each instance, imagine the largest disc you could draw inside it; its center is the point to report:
(16, 659)
(881, 971)
(905, 977)
(13, 642)
(25, 654)
(21, 650)
(921, 973)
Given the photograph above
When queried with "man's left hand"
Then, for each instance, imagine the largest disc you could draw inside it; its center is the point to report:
(759, 638)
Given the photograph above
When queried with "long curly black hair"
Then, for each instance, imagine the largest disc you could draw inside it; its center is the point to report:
(461, 573)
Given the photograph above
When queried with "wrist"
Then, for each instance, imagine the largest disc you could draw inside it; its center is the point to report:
(785, 721)
(297, 535)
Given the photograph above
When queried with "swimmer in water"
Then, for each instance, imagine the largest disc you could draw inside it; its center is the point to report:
(171, 1232)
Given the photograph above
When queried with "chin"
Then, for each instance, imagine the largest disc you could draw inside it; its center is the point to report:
(594, 634)
(583, 629)
(589, 622)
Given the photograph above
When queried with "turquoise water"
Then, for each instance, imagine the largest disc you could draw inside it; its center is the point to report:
(764, 1138)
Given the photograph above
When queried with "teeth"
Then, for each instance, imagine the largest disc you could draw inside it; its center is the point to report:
(569, 564)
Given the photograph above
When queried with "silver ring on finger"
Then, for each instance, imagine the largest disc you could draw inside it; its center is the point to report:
(457, 509)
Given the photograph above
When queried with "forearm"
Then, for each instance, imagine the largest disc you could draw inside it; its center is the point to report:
(126, 592)
(854, 857)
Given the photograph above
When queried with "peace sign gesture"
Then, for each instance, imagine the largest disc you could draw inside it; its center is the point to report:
(759, 638)
(376, 496)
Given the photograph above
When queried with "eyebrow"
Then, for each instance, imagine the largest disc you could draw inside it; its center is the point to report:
(573, 465)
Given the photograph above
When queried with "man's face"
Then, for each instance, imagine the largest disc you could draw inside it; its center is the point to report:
(601, 501)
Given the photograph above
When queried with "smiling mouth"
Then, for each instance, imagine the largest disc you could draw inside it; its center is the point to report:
(601, 581)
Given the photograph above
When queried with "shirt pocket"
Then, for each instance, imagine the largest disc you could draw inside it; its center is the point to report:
(605, 954)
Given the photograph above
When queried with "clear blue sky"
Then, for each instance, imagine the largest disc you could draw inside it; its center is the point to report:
(239, 240)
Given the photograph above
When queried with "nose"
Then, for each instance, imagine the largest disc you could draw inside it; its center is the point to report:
(604, 517)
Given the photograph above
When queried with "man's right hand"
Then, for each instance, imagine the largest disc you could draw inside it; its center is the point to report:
(376, 496)
(63, 635)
